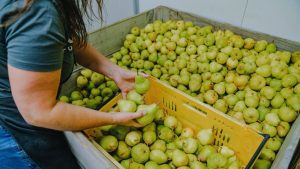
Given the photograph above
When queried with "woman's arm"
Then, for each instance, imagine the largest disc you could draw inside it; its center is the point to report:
(89, 57)
(35, 97)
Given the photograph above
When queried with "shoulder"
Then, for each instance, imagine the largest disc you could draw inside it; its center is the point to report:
(43, 12)
(36, 39)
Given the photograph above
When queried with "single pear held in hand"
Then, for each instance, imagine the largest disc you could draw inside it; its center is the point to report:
(141, 84)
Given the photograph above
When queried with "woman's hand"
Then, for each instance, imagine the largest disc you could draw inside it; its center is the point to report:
(89, 57)
(127, 119)
(125, 80)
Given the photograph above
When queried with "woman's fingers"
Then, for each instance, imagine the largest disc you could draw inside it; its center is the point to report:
(143, 74)
(126, 89)
(138, 114)
(127, 119)
(127, 116)
(124, 94)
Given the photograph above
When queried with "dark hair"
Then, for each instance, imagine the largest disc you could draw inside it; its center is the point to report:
(72, 12)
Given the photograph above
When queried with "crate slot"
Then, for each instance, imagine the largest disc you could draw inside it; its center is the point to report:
(170, 104)
(220, 136)
(228, 139)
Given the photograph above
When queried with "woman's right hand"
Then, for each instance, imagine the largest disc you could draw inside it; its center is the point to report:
(126, 118)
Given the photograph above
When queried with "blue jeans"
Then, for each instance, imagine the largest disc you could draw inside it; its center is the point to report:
(11, 154)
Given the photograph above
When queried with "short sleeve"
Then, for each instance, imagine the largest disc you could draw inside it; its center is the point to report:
(36, 40)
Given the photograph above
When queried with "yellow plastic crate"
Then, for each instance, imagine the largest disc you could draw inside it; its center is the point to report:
(245, 141)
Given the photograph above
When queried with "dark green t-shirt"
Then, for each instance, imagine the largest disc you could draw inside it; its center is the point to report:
(36, 41)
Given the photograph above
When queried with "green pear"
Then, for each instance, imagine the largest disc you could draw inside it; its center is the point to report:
(112, 85)
(159, 145)
(257, 126)
(178, 128)
(119, 131)
(165, 166)
(64, 99)
(206, 152)
(97, 78)
(277, 101)
(151, 165)
(179, 158)
(216, 160)
(179, 143)
(283, 128)
(76, 95)
(166, 134)
(171, 146)
(141, 84)
(123, 150)
(92, 103)
(226, 151)
(262, 164)
(149, 137)
(269, 129)
(127, 106)
(287, 114)
(135, 165)
(267, 154)
(273, 144)
(133, 138)
(150, 113)
(171, 122)
(135, 96)
(78, 102)
(296, 56)
(140, 153)
(272, 119)
(187, 132)
(197, 165)
(205, 136)
(289, 80)
(86, 73)
(150, 127)
(293, 101)
(192, 158)
(190, 145)
(81, 81)
(106, 128)
(109, 143)
(95, 92)
(116, 157)
(126, 163)
(158, 156)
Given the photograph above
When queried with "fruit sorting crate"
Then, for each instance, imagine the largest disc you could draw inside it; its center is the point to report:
(196, 115)
(84, 150)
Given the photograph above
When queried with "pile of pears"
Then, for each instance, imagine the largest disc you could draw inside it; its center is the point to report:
(249, 80)
(163, 142)
(134, 101)
(92, 89)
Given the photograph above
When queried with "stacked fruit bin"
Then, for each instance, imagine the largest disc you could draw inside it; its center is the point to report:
(103, 41)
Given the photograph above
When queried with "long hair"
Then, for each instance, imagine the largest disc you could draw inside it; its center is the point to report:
(72, 12)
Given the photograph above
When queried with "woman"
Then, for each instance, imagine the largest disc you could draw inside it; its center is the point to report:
(36, 56)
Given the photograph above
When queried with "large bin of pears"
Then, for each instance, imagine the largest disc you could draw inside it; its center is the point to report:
(250, 76)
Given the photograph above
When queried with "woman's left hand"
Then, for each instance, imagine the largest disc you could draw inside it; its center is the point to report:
(125, 80)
